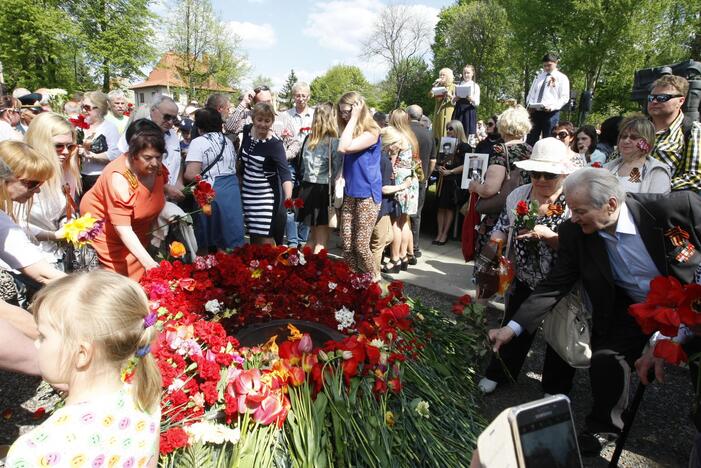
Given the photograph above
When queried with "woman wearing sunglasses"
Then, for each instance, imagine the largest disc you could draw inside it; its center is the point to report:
(637, 170)
(52, 136)
(100, 145)
(22, 173)
(535, 251)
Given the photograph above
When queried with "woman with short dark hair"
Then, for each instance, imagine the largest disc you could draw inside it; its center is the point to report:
(129, 196)
(213, 157)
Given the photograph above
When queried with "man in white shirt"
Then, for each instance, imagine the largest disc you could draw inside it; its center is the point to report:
(302, 116)
(550, 92)
(9, 118)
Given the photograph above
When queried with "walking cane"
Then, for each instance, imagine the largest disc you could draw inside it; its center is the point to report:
(630, 415)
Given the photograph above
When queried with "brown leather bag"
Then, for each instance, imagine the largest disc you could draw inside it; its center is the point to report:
(495, 204)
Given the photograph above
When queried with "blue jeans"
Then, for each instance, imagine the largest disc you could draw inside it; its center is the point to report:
(543, 122)
(297, 233)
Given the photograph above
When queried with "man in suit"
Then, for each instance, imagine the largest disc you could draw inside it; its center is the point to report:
(615, 244)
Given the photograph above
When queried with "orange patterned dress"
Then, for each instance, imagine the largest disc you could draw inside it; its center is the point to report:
(139, 211)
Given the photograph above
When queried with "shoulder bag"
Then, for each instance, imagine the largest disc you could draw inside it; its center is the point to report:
(333, 215)
(189, 204)
(495, 204)
(566, 329)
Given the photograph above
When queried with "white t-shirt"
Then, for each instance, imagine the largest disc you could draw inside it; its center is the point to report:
(111, 134)
(16, 250)
(205, 149)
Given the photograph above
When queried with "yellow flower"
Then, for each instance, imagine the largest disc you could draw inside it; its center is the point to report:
(177, 250)
(295, 334)
(389, 419)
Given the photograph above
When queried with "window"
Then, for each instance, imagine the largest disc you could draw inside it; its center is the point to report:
(141, 98)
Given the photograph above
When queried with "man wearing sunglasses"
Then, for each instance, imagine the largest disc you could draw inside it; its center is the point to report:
(9, 119)
(678, 141)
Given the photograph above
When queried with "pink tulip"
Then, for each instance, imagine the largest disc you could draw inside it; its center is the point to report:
(270, 409)
(305, 344)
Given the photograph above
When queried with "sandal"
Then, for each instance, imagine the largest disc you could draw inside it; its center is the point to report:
(412, 259)
(396, 265)
(404, 264)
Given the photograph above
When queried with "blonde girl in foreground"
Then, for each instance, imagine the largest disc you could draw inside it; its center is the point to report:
(94, 327)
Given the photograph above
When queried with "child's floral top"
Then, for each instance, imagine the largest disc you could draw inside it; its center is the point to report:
(106, 431)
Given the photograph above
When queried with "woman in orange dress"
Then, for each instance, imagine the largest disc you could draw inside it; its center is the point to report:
(129, 195)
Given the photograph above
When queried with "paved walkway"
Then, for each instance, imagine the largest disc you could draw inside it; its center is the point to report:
(441, 268)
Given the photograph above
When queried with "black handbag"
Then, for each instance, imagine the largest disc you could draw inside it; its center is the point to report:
(99, 145)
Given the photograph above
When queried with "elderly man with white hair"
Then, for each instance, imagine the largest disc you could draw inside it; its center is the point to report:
(118, 106)
(615, 244)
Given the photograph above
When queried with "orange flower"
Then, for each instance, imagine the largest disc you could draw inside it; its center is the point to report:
(207, 209)
(177, 250)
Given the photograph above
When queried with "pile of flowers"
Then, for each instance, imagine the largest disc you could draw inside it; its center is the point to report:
(320, 405)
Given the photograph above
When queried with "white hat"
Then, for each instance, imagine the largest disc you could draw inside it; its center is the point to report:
(190, 109)
(549, 155)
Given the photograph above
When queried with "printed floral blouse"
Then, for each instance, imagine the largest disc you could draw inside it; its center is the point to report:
(106, 431)
(533, 259)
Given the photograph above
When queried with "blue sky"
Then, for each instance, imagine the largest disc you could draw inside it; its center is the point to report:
(309, 36)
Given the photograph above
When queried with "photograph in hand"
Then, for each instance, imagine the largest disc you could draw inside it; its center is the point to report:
(476, 165)
(447, 147)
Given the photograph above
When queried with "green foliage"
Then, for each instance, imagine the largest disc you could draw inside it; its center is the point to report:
(285, 95)
(118, 36)
(206, 49)
(418, 81)
(341, 79)
(40, 46)
(262, 80)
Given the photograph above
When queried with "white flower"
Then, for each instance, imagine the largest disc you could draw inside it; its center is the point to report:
(345, 318)
(377, 343)
(332, 286)
(207, 432)
(213, 306)
(176, 385)
(302, 260)
(422, 409)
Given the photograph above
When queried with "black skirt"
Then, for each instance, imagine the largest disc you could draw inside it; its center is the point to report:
(315, 211)
(466, 113)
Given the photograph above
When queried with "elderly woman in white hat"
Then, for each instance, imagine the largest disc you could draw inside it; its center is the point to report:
(534, 251)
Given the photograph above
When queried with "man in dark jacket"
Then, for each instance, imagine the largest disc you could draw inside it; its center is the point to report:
(615, 245)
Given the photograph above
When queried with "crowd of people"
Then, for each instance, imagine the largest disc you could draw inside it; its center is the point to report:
(290, 177)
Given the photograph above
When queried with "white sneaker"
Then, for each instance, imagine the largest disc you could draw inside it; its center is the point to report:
(487, 385)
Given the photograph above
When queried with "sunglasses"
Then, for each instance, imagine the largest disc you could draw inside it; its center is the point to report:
(450, 129)
(490, 124)
(661, 97)
(60, 147)
(88, 108)
(261, 88)
(561, 135)
(31, 184)
(543, 175)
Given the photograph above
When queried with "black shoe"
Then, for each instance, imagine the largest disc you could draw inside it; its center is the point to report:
(404, 264)
(386, 268)
(417, 253)
(441, 242)
(592, 443)
(436, 242)
(411, 259)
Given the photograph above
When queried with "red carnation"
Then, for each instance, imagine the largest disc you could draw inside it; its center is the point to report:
(670, 351)
(522, 208)
(596, 164)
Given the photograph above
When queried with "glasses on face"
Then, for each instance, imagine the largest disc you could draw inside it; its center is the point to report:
(490, 124)
(661, 97)
(344, 111)
(543, 175)
(261, 88)
(88, 108)
(561, 135)
(168, 117)
(31, 184)
(61, 147)
(9, 109)
(450, 129)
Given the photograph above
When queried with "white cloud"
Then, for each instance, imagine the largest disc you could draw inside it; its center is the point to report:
(344, 25)
(252, 35)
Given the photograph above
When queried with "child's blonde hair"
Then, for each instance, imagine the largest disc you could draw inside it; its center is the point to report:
(109, 311)
(323, 125)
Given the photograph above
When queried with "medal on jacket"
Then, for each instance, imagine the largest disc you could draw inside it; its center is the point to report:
(635, 176)
(683, 249)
